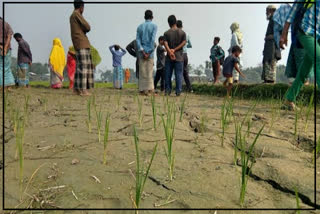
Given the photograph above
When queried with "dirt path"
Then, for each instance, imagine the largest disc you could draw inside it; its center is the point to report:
(205, 175)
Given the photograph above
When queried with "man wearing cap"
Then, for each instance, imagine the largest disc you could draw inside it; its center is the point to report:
(269, 52)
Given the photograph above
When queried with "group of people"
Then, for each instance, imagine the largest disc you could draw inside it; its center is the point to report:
(172, 53)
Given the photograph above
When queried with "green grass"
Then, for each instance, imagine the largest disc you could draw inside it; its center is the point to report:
(169, 128)
(99, 121)
(255, 91)
(19, 146)
(141, 175)
(46, 84)
(203, 122)
(297, 200)
(246, 163)
(26, 106)
(154, 112)
(106, 138)
(226, 113)
(310, 105)
(140, 113)
(182, 107)
(89, 104)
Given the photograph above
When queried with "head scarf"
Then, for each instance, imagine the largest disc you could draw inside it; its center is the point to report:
(72, 50)
(271, 6)
(57, 57)
(235, 29)
(96, 59)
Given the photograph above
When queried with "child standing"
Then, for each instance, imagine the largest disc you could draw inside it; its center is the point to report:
(230, 63)
(71, 65)
(161, 57)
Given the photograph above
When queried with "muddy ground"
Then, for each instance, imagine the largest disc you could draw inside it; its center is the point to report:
(205, 176)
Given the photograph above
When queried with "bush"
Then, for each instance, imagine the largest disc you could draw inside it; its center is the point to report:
(256, 91)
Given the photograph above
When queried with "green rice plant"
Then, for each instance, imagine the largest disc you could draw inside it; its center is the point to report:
(297, 200)
(274, 114)
(169, 127)
(15, 118)
(310, 105)
(141, 175)
(226, 112)
(26, 106)
(89, 104)
(119, 99)
(140, 110)
(246, 166)
(106, 138)
(19, 147)
(154, 112)
(45, 103)
(182, 107)
(99, 121)
(6, 103)
(203, 122)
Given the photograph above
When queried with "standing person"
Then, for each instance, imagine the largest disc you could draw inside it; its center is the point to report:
(303, 17)
(161, 58)
(146, 35)
(217, 59)
(24, 61)
(269, 71)
(175, 39)
(84, 79)
(117, 54)
(96, 59)
(57, 62)
(5, 48)
(71, 65)
(185, 58)
(231, 62)
(236, 40)
(133, 51)
(127, 75)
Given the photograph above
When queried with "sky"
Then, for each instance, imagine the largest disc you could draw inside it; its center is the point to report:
(117, 23)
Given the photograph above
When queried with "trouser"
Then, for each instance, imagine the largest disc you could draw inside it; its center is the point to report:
(178, 70)
(308, 44)
(160, 74)
(216, 70)
(185, 72)
(269, 70)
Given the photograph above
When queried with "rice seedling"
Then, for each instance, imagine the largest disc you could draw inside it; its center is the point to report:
(139, 110)
(154, 112)
(297, 200)
(203, 122)
(105, 139)
(6, 95)
(182, 107)
(26, 106)
(19, 145)
(89, 103)
(246, 167)
(119, 99)
(274, 114)
(99, 121)
(141, 176)
(310, 105)
(226, 112)
(169, 127)
(44, 100)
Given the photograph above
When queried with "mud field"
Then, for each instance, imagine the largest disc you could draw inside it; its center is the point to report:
(63, 162)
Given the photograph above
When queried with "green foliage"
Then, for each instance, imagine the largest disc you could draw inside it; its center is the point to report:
(169, 127)
(154, 112)
(89, 104)
(141, 175)
(105, 139)
(297, 200)
(140, 113)
(99, 120)
(256, 91)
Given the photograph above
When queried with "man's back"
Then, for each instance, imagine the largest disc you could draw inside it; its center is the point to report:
(146, 33)
(175, 37)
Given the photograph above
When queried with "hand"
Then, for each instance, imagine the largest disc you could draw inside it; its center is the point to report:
(172, 56)
(241, 74)
(30, 63)
(283, 41)
(5, 51)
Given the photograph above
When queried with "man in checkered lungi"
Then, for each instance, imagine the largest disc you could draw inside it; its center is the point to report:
(83, 80)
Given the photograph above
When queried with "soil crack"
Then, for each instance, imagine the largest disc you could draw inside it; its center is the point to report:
(160, 184)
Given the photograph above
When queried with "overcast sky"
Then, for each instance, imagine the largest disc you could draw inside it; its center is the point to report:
(117, 23)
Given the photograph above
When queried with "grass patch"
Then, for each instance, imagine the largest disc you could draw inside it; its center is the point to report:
(141, 175)
(106, 138)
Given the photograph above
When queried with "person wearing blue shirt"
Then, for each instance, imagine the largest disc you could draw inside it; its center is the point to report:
(146, 35)
(117, 54)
